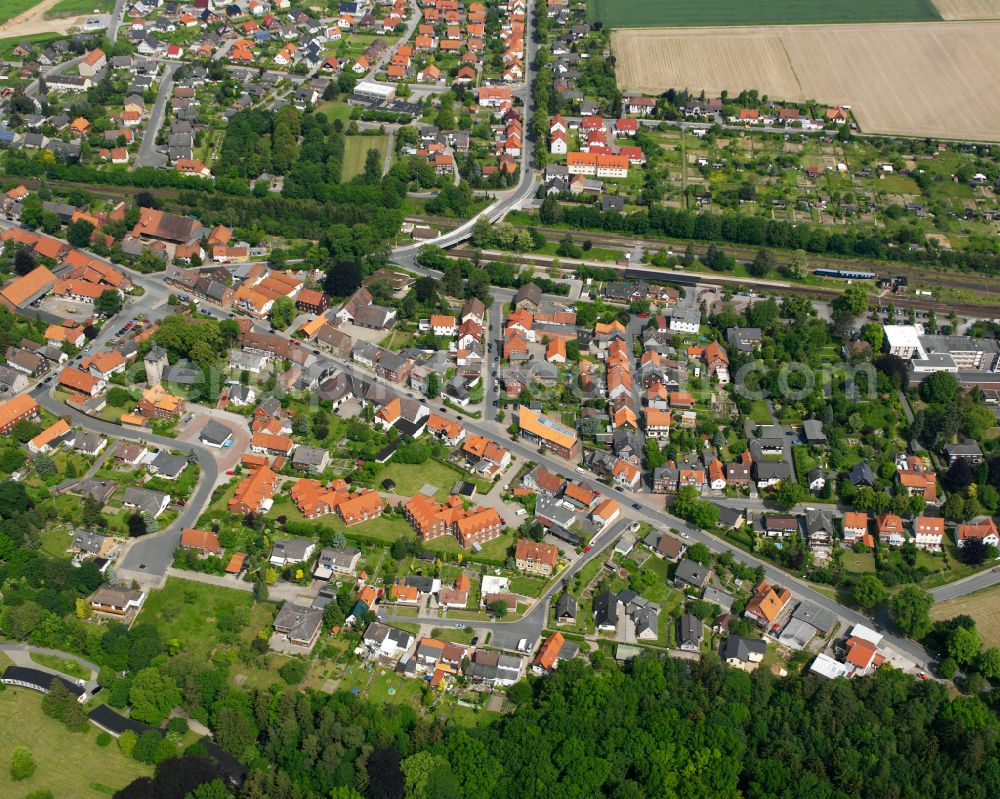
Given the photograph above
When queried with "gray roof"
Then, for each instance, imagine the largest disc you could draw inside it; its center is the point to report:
(646, 618)
(717, 597)
(168, 465)
(145, 500)
(772, 470)
(606, 609)
(215, 433)
(742, 338)
(691, 572)
(741, 648)
(819, 617)
(690, 630)
(819, 520)
(241, 394)
(292, 549)
(566, 605)
(88, 541)
(813, 430)
(861, 474)
(298, 622)
(338, 556)
(308, 456)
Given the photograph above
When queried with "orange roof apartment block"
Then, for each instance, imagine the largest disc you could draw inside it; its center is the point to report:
(553, 435)
(255, 494)
(361, 507)
(23, 406)
(158, 403)
(469, 526)
(535, 558)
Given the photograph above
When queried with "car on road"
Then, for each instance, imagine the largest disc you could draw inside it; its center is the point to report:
(685, 535)
(496, 404)
(637, 506)
(587, 549)
(459, 626)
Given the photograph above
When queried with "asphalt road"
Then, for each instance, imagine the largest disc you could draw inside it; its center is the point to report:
(494, 324)
(976, 582)
(148, 155)
(148, 558)
(116, 20)
(406, 256)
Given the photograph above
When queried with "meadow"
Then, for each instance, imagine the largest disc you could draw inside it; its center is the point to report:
(356, 150)
(70, 764)
(653, 13)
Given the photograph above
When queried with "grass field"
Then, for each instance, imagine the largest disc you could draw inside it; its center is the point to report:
(12, 8)
(78, 8)
(70, 764)
(356, 150)
(922, 79)
(410, 478)
(652, 13)
(983, 606)
(188, 611)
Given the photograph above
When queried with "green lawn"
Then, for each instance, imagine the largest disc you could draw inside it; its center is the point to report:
(75, 8)
(454, 635)
(188, 611)
(12, 8)
(855, 563)
(653, 13)
(64, 665)
(356, 150)
(334, 109)
(410, 478)
(759, 412)
(526, 585)
(69, 764)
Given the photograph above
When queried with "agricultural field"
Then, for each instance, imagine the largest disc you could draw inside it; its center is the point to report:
(933, 79)
(70, 764)
(356, 150)
(983, 606)
(652, 13)
(968, 9)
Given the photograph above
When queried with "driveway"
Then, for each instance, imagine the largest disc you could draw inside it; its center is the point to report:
(21, 655)
(222, 581)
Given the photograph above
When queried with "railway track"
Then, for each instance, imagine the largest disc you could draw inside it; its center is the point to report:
(765, 286)
(957, 280)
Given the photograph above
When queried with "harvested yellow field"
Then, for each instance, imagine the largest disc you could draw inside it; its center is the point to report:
(983, 606)
(968, 9)
(939, 79)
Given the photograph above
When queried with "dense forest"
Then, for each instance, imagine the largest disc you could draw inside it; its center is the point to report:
(658, 728)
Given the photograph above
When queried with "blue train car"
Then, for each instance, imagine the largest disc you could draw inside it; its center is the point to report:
(844, 274)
